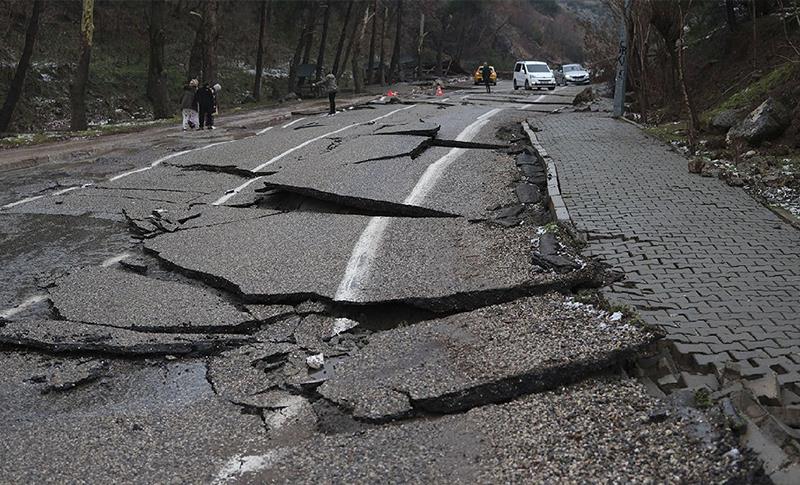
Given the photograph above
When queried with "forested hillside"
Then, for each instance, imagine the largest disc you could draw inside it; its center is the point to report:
(444, 37)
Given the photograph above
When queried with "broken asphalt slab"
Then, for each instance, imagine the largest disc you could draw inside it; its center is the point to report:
(123, 299)
(270, 260)
(596, 431)
(489, 355)
(62, 336)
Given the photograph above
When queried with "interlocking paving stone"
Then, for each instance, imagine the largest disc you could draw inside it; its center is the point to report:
(723, 264)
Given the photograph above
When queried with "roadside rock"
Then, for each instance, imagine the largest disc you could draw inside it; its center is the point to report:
(726, 119)
(766, 122)
(584, 97)
(472, 359)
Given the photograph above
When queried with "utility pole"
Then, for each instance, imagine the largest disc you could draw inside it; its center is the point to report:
(622, 64)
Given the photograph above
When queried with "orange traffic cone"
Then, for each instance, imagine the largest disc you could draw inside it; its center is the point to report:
(439, 91)
(391, 93)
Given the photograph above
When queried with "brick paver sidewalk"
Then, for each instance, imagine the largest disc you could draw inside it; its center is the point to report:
(717, 270)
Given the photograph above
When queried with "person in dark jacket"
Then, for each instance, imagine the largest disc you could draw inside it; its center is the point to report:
(189, 105)
(207, 102)
(329, 84)
(486, 74)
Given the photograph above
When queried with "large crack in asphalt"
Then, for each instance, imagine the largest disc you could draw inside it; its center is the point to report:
(348, 204)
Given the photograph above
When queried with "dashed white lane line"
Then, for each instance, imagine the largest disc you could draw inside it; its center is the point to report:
(239, 465)
(22, 306)
(261, 132)
(287, 125)
(232, 193)
(369, 242)
(23, 201)
(526, 106)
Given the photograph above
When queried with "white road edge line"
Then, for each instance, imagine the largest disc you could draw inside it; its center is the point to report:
(232, 193)
(23, 201)
(261, 132)
(287, 125)
(369, 242)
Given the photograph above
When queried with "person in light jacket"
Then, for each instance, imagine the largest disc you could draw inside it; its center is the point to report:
(329, 83)
(189, 105)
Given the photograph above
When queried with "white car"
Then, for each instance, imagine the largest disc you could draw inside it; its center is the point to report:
(533, 74)
(575, 74)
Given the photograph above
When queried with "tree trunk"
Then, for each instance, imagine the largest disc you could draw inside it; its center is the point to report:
(210, 36)
(398, 38)
(262, 23)
(323, 39)
(358, 64)
(440, 48)
(342, 37)
(310, 28)
(353, 33)
(18, 83)
(156, 75)
(298, 51)
(382, 68)
(195, 68)
(371, 78)
(78, 88)
(420, 42)
(693, 121)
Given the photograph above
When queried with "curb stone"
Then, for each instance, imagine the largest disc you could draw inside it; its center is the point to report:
(555, 201)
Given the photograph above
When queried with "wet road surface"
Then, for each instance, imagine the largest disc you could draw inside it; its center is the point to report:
(339, 299)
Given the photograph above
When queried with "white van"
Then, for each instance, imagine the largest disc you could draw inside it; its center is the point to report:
(533, 74)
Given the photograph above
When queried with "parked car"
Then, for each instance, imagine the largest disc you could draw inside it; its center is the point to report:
(533, 74)
(478, 76)
(575, 74)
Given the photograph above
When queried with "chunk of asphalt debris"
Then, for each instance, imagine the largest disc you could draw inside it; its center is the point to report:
(439, 366)
(528, 193)
(596, 431)
(64, 336)
(270, 313)
(417, 128)
(549, 256)
(137, 265)
(509, 216)
(120, 299)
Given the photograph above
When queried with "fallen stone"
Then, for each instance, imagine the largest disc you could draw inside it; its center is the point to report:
(584, 97)
(696, 165)
(440, 366)
(64, 336)
(766, 122)
(593, 432)
(726, 119)
(115, 298)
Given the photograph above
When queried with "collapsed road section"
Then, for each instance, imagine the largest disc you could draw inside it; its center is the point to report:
(417, 317)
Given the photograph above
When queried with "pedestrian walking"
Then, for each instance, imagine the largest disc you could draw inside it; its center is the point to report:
(329, 83)
(207, 104)
(486, 74)
(189, 105)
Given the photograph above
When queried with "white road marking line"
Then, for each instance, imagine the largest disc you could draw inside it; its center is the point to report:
(154, 164)
(231, 193)
(264, 130)
(115, 259)
(22, 306)
(287, 125)
(365, 250)
(23, 201)
(526, 106)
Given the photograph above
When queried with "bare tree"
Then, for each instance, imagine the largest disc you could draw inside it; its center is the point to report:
(195, 67)
(358, 64)
(210, 37)
(298, 51)
(382, 70)
(420, 44)
(78, 87)
(371, 60)
(360, 7)
(445, 26)
(342, 38)
(156, 75)
(681, 46)
(323, 39)
(17, 84)
(266, 6)
(398, 38)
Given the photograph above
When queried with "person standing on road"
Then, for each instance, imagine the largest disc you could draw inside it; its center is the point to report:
(486, 74)
(189, 105)
(329, 83)
(207, 102)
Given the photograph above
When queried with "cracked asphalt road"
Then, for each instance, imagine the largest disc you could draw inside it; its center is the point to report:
(343, 299)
